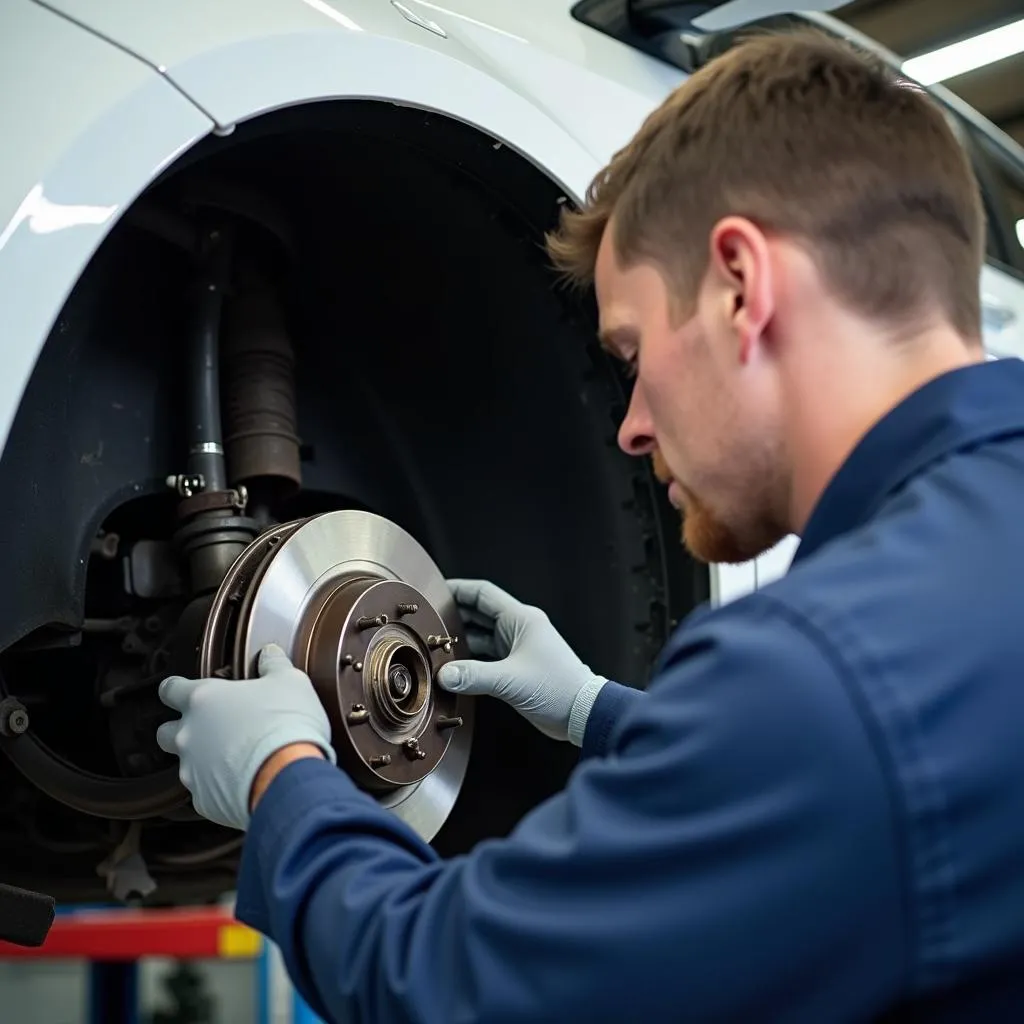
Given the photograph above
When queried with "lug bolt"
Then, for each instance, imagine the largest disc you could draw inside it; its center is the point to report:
(408, 609)
(412, 749)
(446, 722)
(380, 761)
(444, 642)
(372, 621)
(13, 717)
(358, 715)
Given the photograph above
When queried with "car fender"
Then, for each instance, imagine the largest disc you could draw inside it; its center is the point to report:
(491, 64)
(91, 127)
(125, 88)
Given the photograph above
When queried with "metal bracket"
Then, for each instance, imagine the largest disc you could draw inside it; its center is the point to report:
(187, 484)
(125, 869)
(13, 718)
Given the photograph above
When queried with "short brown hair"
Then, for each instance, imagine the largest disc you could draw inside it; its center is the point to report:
(810, 138)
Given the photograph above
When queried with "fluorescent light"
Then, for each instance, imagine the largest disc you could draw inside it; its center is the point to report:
(959, 58)
(1020, 232)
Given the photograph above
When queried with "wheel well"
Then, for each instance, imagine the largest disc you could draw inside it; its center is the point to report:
(443, 379)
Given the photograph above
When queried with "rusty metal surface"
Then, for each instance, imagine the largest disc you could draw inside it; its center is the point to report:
(373, 669)
(260, 419)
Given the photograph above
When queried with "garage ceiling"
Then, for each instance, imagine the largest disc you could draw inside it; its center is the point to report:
(912, 27)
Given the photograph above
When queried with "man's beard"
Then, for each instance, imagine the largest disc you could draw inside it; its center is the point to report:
(706, 536)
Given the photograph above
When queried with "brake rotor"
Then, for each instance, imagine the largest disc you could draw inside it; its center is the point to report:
(357, 604)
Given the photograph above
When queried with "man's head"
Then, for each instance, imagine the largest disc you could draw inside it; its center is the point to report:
(793, 232)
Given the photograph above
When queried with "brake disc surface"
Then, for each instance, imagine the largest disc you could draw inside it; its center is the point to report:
(358, 604)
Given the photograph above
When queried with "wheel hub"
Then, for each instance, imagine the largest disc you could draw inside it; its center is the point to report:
(373, 653)
(361, 608)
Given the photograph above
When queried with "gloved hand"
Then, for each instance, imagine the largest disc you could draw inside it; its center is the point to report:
(229, 727)
(538, 674)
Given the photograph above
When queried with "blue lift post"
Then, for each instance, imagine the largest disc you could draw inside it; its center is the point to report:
(113, 992)
(269, 975)
(113, 984)
(301, 1013)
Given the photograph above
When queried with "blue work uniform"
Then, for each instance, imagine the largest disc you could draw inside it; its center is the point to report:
(814, 813)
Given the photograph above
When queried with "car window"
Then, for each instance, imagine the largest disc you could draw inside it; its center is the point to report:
(1004, 181)
(997, 216)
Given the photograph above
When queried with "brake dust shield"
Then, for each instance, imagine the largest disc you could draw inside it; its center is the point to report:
(364, 611)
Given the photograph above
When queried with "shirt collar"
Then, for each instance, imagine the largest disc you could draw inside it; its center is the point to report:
(959, 408)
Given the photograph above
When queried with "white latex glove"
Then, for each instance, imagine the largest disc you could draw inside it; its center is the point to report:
(229, 727)
(538, 674)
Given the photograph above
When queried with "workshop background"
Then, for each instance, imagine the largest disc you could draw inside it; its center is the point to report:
(996, 89)
(242, 984)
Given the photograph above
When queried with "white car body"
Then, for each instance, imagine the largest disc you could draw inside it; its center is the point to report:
(111, 92)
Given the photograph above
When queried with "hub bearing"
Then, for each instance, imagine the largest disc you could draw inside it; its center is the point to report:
(362, 609)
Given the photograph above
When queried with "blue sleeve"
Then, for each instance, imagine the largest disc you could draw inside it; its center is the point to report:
(733, 857)
(613, 701)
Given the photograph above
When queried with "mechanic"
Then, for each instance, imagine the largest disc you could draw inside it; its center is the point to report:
(815, 811)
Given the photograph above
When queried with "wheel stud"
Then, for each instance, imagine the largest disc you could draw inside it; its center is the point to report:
(444, 642)
(413, 750)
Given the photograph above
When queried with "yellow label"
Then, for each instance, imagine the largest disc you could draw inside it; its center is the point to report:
(237, 940)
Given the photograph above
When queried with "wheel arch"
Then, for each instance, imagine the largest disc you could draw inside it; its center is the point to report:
(117, 141)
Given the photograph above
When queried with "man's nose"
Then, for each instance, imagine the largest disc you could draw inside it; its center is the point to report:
(636, 434)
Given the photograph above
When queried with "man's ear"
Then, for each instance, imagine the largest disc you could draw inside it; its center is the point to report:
(741, 265)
